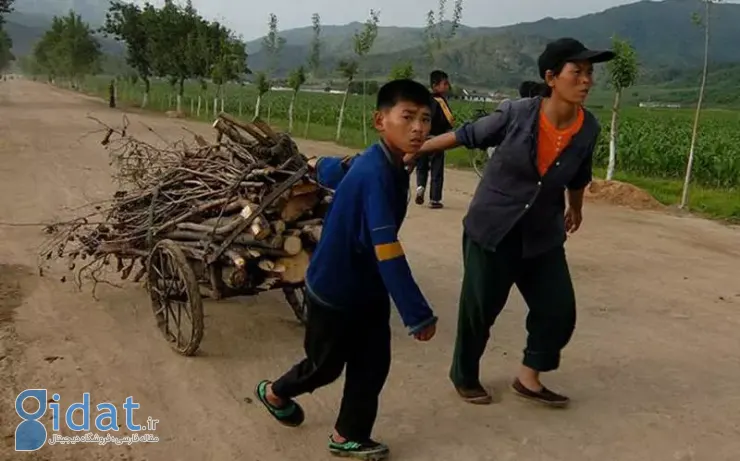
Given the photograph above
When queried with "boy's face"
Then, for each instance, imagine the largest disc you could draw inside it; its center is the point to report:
(404, 127)
(442, 87)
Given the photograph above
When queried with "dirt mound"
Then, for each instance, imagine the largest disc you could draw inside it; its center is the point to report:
(622, 194)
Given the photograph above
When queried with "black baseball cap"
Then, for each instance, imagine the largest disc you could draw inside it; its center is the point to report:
(565, 50)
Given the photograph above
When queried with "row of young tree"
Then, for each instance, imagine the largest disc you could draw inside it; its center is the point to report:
(176, 43)
(172, 42)
(439, 30)
(623, 72)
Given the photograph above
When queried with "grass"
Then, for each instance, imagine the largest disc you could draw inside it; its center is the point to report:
(712, 203)
(721, 203)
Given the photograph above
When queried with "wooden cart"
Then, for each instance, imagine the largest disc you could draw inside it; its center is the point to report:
(233, 218)
(177, 286)
(177, 283)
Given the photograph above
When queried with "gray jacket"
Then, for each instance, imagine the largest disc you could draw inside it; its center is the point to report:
(512, 191)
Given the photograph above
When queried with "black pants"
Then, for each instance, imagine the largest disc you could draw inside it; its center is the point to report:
(436, 163)
(545, 284)
(358, 338)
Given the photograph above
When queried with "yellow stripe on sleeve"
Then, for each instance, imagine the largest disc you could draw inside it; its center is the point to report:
(387, 251)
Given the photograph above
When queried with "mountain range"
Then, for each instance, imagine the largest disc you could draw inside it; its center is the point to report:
(668, 43)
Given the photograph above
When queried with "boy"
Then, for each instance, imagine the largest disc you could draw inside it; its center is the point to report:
(357, 264)
(442, 122)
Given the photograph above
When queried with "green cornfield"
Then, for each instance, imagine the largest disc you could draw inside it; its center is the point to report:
(652, 142)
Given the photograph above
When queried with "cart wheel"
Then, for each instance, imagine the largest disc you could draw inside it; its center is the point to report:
(296, 297)
(175, 294)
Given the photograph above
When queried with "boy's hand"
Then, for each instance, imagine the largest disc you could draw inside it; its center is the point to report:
(427, 333)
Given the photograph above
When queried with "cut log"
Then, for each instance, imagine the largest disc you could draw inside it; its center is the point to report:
(303, 189)
(278, 227)
(266, 265)
(268, 283)
(313, 232)
(253, 131)
(295, 267)
(298, 206)
(234, 277)
(292, 245)
(216, 226)
(230, 132)
(246, 240)
(309, 222)
(259, 228)
(266, 129)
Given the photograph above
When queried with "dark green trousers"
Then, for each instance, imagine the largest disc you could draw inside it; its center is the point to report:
(545, 284)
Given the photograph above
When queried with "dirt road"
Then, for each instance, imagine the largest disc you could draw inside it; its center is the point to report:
(653, 368)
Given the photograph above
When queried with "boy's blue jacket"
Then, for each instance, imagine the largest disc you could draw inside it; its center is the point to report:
(359, 258)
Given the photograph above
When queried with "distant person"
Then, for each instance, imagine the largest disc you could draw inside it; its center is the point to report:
(357, 263)
(530, 89)
(515, 228)
(434, 163)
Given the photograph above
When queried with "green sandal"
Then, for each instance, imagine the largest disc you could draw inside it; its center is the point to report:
(368, 451)
(291, 414)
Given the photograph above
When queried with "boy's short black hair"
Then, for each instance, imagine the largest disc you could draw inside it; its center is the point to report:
(400, 90)
(437, 77)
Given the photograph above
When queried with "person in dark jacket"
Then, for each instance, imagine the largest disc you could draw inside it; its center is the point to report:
(531, 89)
(434, 163)
(358, 262)
(516, 225)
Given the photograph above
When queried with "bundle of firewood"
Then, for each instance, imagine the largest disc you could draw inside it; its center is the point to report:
(245, 203)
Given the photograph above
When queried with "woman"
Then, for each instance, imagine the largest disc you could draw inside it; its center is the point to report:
(515, 228)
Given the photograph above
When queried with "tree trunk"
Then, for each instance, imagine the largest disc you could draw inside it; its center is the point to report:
(308, 122)
(112, 94)
(613, 136)
(147, 90)
(215, 106)
(257, 106)
(364, 110)
(690, 164)
(341, 112)
(180, 92)
(200, 100)
(290, 111)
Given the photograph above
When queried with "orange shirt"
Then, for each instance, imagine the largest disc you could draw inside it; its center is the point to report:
(552, 141)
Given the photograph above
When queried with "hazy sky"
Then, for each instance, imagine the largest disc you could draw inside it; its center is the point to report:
(249, 17)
